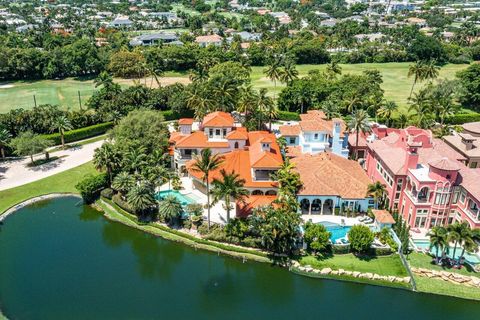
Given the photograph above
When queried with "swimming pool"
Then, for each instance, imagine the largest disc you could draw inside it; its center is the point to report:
(337, 231)
(184, 199)
(425, 245)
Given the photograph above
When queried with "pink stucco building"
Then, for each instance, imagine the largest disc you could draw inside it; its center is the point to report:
(426, 180)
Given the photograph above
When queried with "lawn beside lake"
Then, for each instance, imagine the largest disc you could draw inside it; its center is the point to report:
(420, 260)
(437, 286)
(64, 92)
(382, 265)
(58, 183)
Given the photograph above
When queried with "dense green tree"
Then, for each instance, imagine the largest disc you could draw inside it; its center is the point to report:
(360, 238)
(358, 123)
(470, 83)
(28, 144)
(170, 209)
(5, 137)
(316, 236)
(141, 198)
(229, 186)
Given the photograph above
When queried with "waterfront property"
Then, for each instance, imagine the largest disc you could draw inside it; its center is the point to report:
(150, 277)
(331, 185)
(315, 134)
(467, 143)
(425, 179)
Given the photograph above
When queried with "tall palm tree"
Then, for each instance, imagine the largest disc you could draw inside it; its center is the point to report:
(330, 108)
(430, 70)
(247, 101)
(289, 73)
(198, 101)
(386, 111)
(106, 158)
(123, 182)
(420, 104)
(5, 137)
(170, 208)
(273, 72)
(438, 240)
(135, 160)
(457, 232)
(358, 123)
(267, 106)
(224, 93)
(205, 163)
(141, 198)
(417, 71)
(62, 124)
(229, 187)
(377, 190)
(402, 119)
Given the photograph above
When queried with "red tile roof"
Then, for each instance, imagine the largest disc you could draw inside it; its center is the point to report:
(472, 127)
(218, 119)
(383, 216)
(328, 174)
(239, 133)
(198, 139)
(210, 38)
(287, 130)
(260, 158)
(185, 121)
(445, 164)
(251, 202)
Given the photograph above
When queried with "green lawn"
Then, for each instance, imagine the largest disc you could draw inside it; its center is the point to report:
(60, 182)
(420, 260)
(65, 92)
(437, 286)
(385, 266)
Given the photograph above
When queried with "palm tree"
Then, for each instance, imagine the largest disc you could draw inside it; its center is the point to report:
(457, 233)
(377, 190)
(267, 107)
(420, 104)
(229, 187)
(438, 240)
(289, 73)
(205, 163)
(123, 182)
(417, 71)
(247, 101)
(141, 198)
(358, 123)
(330, 108)
(199, 102)
(430, 70)
(5, 137)
(402, 119)
(386, 111)
(273, 72)
(224, 93)
(62, 124)
(170, 208)
(135, 159)
(333, 69)
(106, 158)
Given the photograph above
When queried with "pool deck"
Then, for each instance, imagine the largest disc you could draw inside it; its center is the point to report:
(315, 218)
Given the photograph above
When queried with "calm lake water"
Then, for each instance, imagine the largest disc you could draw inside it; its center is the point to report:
(62, 260)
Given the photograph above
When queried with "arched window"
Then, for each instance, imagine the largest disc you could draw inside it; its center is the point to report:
(271, 193)
(257, 193)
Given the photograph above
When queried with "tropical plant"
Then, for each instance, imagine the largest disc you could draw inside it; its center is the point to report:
(123, 182)
(5, 137)
(289, 183)
(135, 160)
(28, 144)
(229, 187)
(330, 108)
(106, 158)
(205, 163)
(266, 107)
(377, 191)
(316, 236)
(386, 111)
(247, 101)
(438, 240)
(416, 70)
(89, 187)
(358, 123)
(289, 72)
(420, 104)
(333, 69)
(141, 198)
(274, 72)
(360, 238)
(456, 233)
(170, 209)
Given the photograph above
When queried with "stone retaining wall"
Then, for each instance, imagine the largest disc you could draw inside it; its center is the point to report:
(354, 274)
(455, 278)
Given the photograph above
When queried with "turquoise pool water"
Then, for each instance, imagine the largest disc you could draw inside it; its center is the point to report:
(184, 199)
(470, 257)
(336, 230)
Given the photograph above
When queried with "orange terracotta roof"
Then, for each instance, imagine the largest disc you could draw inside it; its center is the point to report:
(294, 151)
(290, 130)
(209, 38)
(185, 121)
(218, 119)
(383, 216)
(328, 174)
(315, 120)
(175, 136)
(445, 164)
(198, 139)
(260, 158)
(251, 202)
(237, 161)
(239, 133)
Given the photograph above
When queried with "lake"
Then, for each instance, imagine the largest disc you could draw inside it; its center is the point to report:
(60, 259)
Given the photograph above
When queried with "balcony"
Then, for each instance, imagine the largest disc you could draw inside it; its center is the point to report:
(416, 197)
(262, 175)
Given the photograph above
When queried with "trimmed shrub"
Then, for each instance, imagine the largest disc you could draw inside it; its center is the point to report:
(461, 118)
(252, 242)
(168, 115)
(91, 185)
(288, 116)
(117, 199)
(80, 134)
(340, 248)
(107, 193)
(361, 238)
(381, 251)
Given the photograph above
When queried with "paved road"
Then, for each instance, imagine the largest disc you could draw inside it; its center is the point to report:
(15, 173)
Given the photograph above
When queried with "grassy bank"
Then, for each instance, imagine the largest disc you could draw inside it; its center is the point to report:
(420, 260)
(63, 182)
(65, 92)
(383, 265)
(437, 286)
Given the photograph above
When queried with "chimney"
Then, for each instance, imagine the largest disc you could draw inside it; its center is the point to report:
(411, 158)
(467, 141)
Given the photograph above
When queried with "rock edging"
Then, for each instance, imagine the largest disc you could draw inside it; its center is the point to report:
(354, 274)
(452, 277)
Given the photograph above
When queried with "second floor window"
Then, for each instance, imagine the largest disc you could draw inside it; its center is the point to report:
(315, 136)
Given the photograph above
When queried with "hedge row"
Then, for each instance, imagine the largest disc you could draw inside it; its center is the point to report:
(80, 134)
(461, 118)
(169, 115)
(288, 116)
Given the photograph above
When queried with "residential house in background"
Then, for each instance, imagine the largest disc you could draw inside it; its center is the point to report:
(121, 22)
(154, 39)
(315, 134)
(467, 143)
(204, 41)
